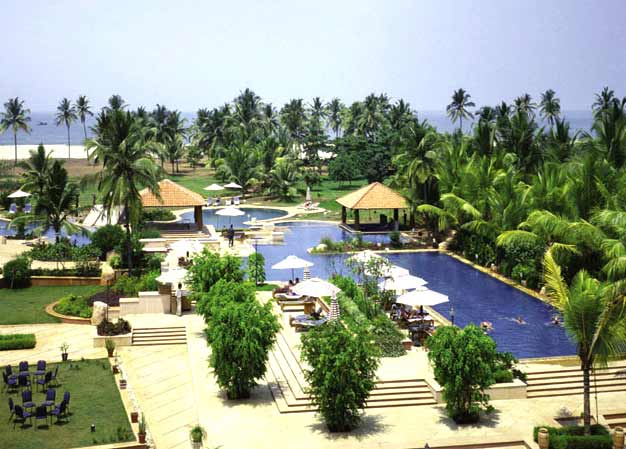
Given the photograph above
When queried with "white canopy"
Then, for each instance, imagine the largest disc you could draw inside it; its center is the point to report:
(19, 193)
(316, 288)
(402, 283)
(232, 185)
(214, 188)
(191, 246)
(172, 276)
(291, 263)
(230, 212)
(394, 271)
(364, 256)
(422, 297)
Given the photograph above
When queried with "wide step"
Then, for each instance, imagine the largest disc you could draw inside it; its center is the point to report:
(569, 381)
(175, 335)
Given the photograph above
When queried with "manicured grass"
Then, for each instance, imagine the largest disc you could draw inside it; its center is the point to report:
(94, 400)
(27, 306)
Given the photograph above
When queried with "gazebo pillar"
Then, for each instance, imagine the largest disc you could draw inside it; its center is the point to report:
(396, 217)
(357, 220)
(197, 216)
(344, 214)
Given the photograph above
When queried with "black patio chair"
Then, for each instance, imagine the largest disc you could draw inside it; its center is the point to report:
(60, 411)
(23, 381)
(45, 380)
(41, 368)
(22, 415)
(66, 399)
(9, 382)
(27, 399)
(41, 412)
(51, 396)
(55, 376)
(23, 367)
(9, 370)
(11, 409)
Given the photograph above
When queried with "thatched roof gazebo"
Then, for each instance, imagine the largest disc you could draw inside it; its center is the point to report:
(174, 195)
(370, 197)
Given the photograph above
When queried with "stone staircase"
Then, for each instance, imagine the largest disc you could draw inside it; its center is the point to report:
(288, 386)
(569, 381)
(614, 420)
(175, 335)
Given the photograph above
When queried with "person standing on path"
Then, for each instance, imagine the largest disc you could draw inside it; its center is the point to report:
(179, 300)
(231, 236)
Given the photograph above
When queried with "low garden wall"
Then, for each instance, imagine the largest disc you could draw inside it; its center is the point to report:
(65, 318)
(507, 390)
(119, 340)
(51, 281)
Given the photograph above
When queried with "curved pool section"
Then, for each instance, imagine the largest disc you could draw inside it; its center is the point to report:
(209, 217)
(77, 239)
(476, 296)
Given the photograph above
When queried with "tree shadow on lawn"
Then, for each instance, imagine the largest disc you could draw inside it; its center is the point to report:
(370, 425)
(487, 420)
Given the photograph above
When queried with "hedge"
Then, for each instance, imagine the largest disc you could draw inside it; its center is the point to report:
(17, 341)
(572, 437)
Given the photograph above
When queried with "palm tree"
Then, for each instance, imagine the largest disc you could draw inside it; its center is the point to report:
(123, 149)
(83, 109)
(524, 104)
(334, 115)
(241, 164)
(36, 171)
(458, 108)
(116, 103)
(283, 178)
(15, 117)
(550, 106)
(317, 114)
(372, 116)
(603, 101)
(66, 115)
(293, 117)
(593, 316)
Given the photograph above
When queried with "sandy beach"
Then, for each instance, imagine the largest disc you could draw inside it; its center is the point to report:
(59, 151)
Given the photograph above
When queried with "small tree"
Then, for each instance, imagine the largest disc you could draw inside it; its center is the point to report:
(208, 268)
(241, 335)
(223, 293)
(343, 368)
(464, 362)
(256, 268)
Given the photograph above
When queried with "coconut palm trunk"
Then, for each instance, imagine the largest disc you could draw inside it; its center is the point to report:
(129, 247)
(85, 129)
(69, 151)
(15, 144)
(586, 368)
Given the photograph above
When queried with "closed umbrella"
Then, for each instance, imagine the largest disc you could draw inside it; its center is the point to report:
(316, 288)
(292, 263)
(334, 309)
(232, 185)
(402, 283)
(422, 297)
(19, 193)
(214, 188)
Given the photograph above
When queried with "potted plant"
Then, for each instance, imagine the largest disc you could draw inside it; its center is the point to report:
(110, 345)
(197, 433)
(64, 348)
(142, 430)
(134, 416)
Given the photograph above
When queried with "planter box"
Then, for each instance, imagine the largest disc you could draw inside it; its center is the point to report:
(508, 390)
(51, 281)
(120, 340)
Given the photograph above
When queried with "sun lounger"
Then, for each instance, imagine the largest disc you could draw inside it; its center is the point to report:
(236, 201)
(227, 202)
(13, 208)
(28, 208)
(209, 202)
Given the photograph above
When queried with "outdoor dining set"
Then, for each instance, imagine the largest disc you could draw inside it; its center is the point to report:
(24, 380)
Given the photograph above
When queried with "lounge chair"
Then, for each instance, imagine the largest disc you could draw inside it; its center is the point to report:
(217, 201)
(13, 208)
(28, 208)
(228, 202)
(209, 201)
(236, 201)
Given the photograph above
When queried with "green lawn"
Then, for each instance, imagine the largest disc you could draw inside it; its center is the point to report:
(27, 306)
(94, 400)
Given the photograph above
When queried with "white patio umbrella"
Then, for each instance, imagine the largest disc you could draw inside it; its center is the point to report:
(402, 283)
(334, 309)
(214, 188)
(19, 193)
(172, 276)
(230, 212)
(292, 263)
(422, 297)
(394, 271)
(187, 246)
(316, 288)
(232, 185)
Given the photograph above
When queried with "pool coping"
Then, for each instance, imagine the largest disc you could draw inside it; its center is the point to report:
(291, 212)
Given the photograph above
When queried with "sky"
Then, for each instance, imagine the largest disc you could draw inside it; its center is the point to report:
(191, 54)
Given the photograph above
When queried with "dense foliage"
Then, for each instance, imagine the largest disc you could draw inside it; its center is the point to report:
(573, 437)
(74, 305)
(10, 342)
(62, 251)
(17, 272)
(157, 214)
(107, 238)
(464, 363)
(209, 267)
(130, 286)
(343, 368)
(256, 268)
(221, 293)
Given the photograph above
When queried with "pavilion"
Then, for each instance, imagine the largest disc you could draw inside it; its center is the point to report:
(370, 197)
(175, 195)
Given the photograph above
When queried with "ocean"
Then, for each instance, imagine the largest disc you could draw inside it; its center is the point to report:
(50, 133)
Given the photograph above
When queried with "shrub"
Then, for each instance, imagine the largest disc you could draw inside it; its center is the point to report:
(241, 335)
(109, 328)
(464, 361)
(82, 269)
(149, 234)
(572, 437)
(208, 267)
(157, 214)
(394, 239)
(107, 238)
(343, 367)
(503, 376)
(17, 341)
(223, 293)
(153, 261)
(472, 245)
(527, 272)
(62, 251)
(387, 336)
(132, 285)
(17, 272)
(74, 305)
(256, 268)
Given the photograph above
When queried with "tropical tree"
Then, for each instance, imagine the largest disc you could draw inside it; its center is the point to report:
(594, 316)
(525, 105)
(36, 171)
(16, 118)
(83, 109)
(293, 117)
(458, 109)
(283, 178)
(604, 100)
(241, 164)
(550, 106)
(66, 115)
(116, 103)
(334, 108)
(122, 148)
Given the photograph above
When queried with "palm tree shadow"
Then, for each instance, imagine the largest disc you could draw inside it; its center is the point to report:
(370, 425)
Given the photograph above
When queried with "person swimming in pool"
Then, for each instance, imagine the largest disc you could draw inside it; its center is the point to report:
(556, 320)
(487, 326)
(520, 320)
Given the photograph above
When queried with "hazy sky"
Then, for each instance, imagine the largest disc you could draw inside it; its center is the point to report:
(189, 54)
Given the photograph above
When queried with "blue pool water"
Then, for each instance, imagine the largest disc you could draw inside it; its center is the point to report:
(209, 217)
(476, 296)
(78, 239)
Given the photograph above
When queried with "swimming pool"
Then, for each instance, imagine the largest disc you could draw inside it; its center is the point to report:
(209, 217)
(476, 296)
(78, 239)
